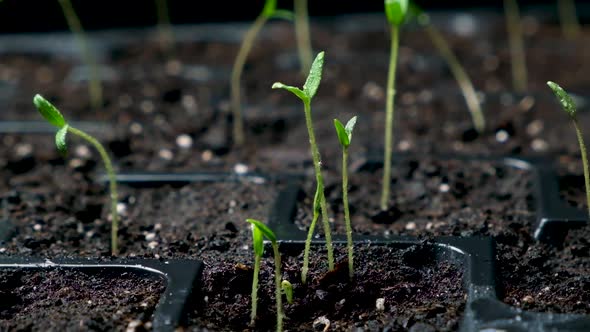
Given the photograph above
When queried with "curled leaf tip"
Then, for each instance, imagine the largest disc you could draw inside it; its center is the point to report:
(566, 101)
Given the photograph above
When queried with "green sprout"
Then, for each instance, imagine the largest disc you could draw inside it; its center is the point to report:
(314, 219)
(309, 90)
(345, 137)
(457, 70)
(516, 43)
(568, 105)
(165, 34)
(288, 290)
(54, 117)
(268, 11)
(258, 246)
(264, 231)
(94, 85)
(396, 11)
(303, 35)
(568, 18)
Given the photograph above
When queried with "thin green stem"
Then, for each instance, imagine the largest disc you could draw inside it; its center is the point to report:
(278, 295)
(112, 185)
(584, 161)
(307, 249)
(389, 116)
(568, 18)
(238, 68)
(315, 153)
(303, 35)
(255, 289)
(347, 211)
(94, 85)
(516, 42)
(165, 34)
(460, 75)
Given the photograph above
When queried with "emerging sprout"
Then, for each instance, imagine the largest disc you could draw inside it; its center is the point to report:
(269, 11)
(288, 290)
(94, 85)
(516, 42)
(396, 12)
(302, 34)
(264, 231)
(165, 35)
(345, 138)
(569, 107)
(258, 246)
(54, 117)
(457, 70)
(309, 90)
(568, 18)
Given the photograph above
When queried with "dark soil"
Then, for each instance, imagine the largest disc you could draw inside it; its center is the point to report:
(68, 300)
(169, 112)
(432, 197)
(419, 293)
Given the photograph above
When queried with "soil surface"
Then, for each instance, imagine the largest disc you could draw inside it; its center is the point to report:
(68, 300)
(170, 112)
(419, 292)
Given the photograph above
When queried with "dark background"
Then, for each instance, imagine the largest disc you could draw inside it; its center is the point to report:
(45, 15)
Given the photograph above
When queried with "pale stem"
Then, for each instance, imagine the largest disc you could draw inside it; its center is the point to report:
(236, 75)
(94, 85)
(165, 34)
(568, 18)
(278, 294)
(584, 162)
(303, 35)
(389, 116)
(460, 75)
(516, 42)
(112, 185)
(347, 211)
(315, 153)
(255, 289)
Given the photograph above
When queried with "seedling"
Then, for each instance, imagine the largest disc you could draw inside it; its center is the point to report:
(396, 11)
(54, 117)
(94, 85)
(345, 138)
(258, 246)
(303, 35)
(568, 18)
(306, 95)
(269, 11)
(516, 42)
(455, 66)
(288, 290)
(568, 105)
(165, 35)
(264, 231)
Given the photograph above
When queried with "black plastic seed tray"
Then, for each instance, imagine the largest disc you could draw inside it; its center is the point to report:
(484, 311)
(180, 276)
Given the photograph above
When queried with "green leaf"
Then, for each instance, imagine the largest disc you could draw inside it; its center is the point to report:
(315, 76)
(49, 112)
(257, 241)
(341, 132)
(294, 90)
(60, 140)
(567, 103)
(270, 6)
(264, 229)
(396, 11)
(350, 127)
(284, 14)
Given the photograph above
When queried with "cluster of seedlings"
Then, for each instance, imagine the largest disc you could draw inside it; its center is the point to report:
(398, 12)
